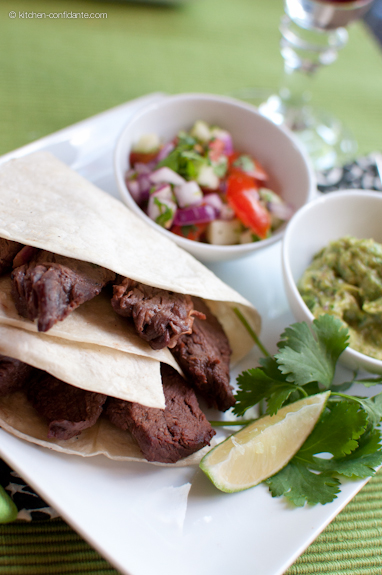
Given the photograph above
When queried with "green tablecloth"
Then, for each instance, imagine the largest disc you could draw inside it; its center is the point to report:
(57, 71)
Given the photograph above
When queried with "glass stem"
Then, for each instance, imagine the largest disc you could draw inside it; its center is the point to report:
(295, 94)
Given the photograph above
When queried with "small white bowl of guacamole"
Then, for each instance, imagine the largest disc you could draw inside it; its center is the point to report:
(332, 263)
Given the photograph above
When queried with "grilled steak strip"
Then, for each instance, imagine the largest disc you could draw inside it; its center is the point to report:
(204, 356)
(68, 409)
(160, 316)
(24, 256)
(164, 435)
(51, 286)
(14, 374)
(8, 250)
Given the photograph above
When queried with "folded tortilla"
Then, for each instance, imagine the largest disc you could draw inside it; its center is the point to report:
(88, 367)
(93, 322)
(45, 204)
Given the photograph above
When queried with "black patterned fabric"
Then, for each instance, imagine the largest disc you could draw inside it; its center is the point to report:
(361, 174)
(30, 505)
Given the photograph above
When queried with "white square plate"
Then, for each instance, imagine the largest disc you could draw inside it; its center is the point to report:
(150, 520)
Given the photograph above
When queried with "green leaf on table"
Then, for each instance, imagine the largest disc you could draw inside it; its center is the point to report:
(8, 510)
(304, 358)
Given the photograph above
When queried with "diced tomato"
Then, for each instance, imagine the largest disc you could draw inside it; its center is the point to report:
(142, 157)
(239, 181)
(216, 148)
(242, 196)
(191, 232)
(258, 173)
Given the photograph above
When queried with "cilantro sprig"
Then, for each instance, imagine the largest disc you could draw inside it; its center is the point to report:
(346, 440)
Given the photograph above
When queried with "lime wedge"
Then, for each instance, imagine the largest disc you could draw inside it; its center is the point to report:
(262, 448)
(8, 510)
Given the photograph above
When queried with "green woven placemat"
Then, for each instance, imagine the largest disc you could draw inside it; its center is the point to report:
(351, 544)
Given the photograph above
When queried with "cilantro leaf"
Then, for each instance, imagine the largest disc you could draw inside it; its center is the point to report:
(373, 408)
(305, 363)
(369, 381)
(304, 358)
(363, 461)
(166, 213)
(282, 393)
(244, 163)
(299, 485)
(265, 382)
(337, 431)
(184, 159)
(311, 479)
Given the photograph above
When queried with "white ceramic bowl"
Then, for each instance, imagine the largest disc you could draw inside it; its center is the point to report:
(281, 155)
(350, 212)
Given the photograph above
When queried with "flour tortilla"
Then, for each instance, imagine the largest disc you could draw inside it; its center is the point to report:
(94, 322)
(19, 418)
(87, 366)
(45, 204)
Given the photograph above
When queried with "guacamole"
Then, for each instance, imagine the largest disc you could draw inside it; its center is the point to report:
(345, 280)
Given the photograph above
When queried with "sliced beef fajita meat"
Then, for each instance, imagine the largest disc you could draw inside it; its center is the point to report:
(49, 287)
(8, 250)
(204, 356)
(165, 435)
(14, 374)
(24, 256)
(68, 409)
(160, 316)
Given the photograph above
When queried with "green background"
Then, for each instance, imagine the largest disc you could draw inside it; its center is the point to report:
(54, 72)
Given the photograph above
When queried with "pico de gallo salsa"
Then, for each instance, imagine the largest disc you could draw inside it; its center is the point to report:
(199, 187)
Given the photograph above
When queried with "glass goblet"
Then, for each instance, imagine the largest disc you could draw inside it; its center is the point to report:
(312, 33)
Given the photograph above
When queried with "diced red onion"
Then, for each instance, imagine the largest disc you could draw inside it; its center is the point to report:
(188, 194)
(166, 175)
(214, 200)
(130, 174)
(134, 189)
(165, 151)
(223, 186)
(195, 215)
(228, 144)
(144, 186)
(226, 138)
(281, 211)
(163, 192)
(226, 213)
(152, 165)
(142, 168)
